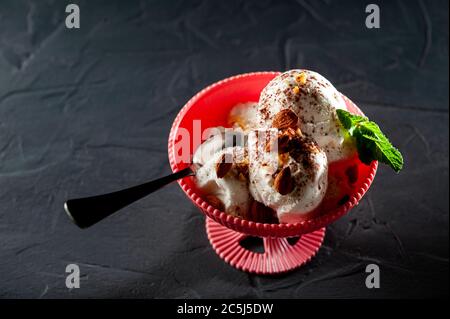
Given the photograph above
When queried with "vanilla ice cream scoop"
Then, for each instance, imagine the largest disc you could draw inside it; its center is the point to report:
(314, 101)
(288, 172)
(223, 177)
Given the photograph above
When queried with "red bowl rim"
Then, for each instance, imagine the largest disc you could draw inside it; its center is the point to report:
(255, 228)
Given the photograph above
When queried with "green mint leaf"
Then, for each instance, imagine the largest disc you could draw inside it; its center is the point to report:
(371, 143)
(366, 149)
(386, 153)
(348, 119)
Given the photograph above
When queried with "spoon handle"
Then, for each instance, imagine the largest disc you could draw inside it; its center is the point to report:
(87, 211)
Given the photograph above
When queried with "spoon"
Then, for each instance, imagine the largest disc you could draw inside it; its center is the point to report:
(87, 211)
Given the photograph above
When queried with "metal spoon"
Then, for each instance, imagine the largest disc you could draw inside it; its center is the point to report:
(87, 211)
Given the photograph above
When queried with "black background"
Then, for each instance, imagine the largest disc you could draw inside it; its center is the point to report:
(89, 110)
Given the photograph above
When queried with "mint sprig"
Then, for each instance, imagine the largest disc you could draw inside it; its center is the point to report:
(371, 143)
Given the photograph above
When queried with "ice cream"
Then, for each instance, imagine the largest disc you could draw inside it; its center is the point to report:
(244, 116)
(275, 159)
(223, 172)
(287, 176)
(314, 100)
(219, 138)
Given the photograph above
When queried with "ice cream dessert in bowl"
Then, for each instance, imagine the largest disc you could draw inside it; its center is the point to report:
(285, 154)
(266, 154)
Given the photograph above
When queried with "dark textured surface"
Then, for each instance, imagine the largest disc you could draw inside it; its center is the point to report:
(89, 110)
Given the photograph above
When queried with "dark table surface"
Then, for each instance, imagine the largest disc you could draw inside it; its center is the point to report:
(88, 110)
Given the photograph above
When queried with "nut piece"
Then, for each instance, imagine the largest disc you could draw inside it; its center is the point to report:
(222, 167)
(287, 139)
(285, 119)
(237, 120)
(283, 182)
(215, 202)
(283, 159)
(283, 143)
(301, 78)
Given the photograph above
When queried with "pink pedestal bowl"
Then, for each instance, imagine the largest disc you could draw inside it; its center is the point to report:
(225, 232)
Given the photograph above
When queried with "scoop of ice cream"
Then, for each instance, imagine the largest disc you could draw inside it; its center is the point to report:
(314, 100)
(287, 171)
(224, 175)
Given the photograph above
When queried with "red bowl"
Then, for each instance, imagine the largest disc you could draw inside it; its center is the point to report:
(212, 106)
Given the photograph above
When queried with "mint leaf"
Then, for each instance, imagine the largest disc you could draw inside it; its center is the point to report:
(370, 141)
(349, 120)
(386, 153)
